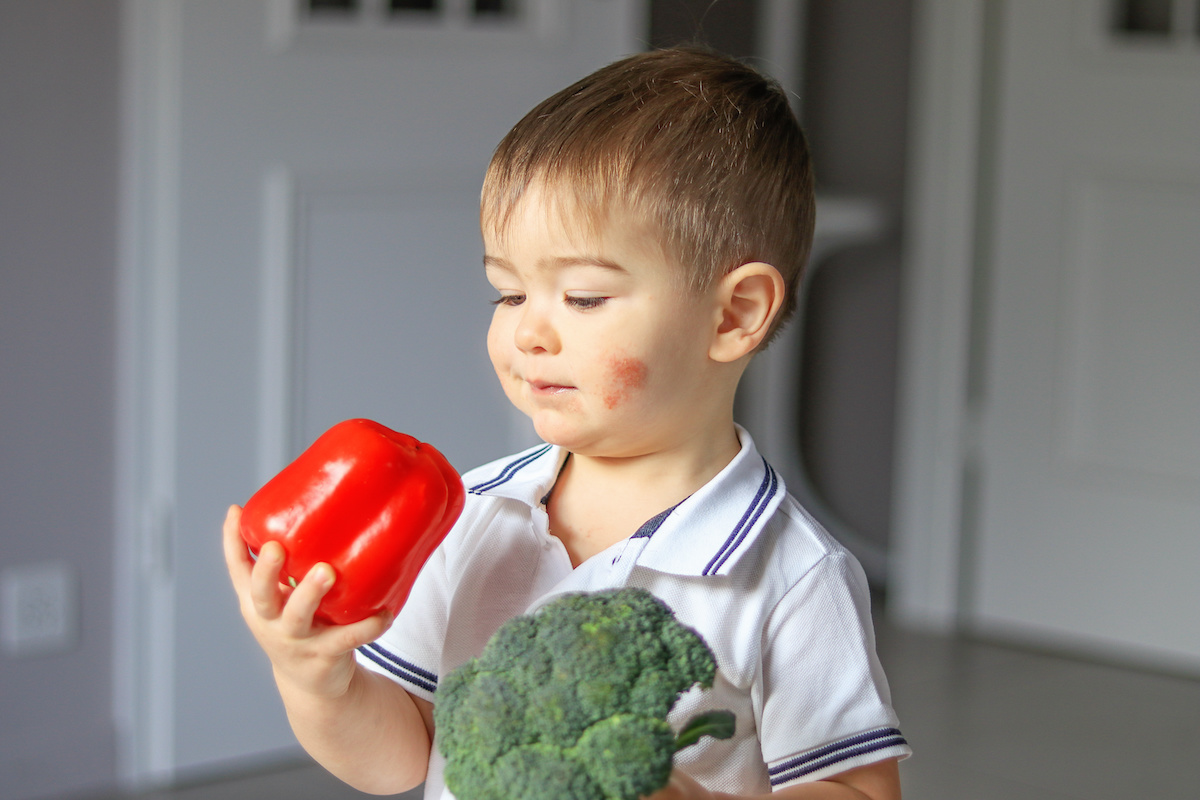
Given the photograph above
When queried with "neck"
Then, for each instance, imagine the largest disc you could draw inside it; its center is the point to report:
(673, 461)
(599, 501)
(672, 472)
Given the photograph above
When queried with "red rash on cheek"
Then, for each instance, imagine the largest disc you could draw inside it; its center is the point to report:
(627, 376)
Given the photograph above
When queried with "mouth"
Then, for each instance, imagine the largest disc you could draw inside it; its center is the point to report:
(548, 388)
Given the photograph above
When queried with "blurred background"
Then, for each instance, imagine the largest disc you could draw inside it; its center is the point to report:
(226, 224)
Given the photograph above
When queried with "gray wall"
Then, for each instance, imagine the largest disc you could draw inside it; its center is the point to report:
(58, 227)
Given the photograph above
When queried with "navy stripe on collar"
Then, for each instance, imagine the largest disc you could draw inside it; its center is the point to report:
(828, 755)
(766, 491)
(653, 524)
(510, 470)
(421, 678)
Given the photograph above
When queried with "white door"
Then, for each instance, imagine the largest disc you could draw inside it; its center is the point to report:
(1087, 467)
(304, 186)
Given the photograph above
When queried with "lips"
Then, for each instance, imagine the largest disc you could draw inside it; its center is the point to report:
(548, 388)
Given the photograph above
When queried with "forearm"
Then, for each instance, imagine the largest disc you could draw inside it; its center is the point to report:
(879, 781)
(375, 737)
(818, 790)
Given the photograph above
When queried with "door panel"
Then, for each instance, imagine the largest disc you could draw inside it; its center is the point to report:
(1089, 519)
(355, 240)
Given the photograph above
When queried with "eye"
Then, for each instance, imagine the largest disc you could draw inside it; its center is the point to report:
(586, 302)
(509, 300)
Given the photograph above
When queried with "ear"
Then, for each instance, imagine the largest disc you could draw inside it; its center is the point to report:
(750, 298)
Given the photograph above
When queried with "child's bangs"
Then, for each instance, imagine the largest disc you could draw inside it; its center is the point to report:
(581, 193)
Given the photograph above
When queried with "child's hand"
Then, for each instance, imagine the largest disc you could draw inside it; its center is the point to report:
(683, 787)
(880, 781)
(309, 656)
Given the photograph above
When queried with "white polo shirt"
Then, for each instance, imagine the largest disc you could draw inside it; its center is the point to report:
(783, 606)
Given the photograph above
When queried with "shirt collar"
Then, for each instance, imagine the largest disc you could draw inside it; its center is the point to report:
(706, 534)
(527, 477)
(710, 531)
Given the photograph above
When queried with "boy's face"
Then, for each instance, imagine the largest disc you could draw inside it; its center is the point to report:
(594, 335)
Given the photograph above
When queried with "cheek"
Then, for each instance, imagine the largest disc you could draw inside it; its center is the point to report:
(494, 347)
(626, 375)
(501, 360)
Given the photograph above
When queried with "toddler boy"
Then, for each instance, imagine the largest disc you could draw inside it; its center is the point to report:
(645, 230)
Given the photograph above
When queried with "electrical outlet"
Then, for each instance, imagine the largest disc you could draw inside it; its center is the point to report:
(39, 608)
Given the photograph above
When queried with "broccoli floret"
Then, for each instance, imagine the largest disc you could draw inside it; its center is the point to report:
(570, 703)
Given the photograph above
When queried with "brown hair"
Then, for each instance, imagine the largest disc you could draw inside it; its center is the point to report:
(702, 146)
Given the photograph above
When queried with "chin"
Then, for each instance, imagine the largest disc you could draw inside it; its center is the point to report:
(553, 432)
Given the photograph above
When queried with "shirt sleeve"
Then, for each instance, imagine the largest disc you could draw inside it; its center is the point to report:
(409, 652)
(826, 707)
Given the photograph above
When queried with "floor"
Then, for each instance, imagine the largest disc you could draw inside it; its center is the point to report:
(986, 722)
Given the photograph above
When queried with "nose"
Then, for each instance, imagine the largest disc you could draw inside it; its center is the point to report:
(535, 331)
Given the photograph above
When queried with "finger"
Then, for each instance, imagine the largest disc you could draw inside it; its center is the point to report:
(302, 604)
(265, 592)
(237, 559)
(350, 637)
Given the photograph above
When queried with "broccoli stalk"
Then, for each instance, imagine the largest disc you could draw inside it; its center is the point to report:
(570, 703)
(717, 724)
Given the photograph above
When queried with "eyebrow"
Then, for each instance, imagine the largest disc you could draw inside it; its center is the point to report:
(559, 262)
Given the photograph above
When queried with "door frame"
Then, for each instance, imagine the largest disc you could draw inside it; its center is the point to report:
(929, 567)
(147, 366)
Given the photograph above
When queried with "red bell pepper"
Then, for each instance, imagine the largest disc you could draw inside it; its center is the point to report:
(370, 502)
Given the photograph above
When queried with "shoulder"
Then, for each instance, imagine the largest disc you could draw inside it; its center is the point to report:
(787, 570)
(796, 574)
(794, 544)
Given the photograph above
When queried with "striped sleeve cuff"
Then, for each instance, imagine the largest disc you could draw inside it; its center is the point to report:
(844, 754)
(424, 681)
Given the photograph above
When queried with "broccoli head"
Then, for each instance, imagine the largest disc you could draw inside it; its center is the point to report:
(570, 703)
